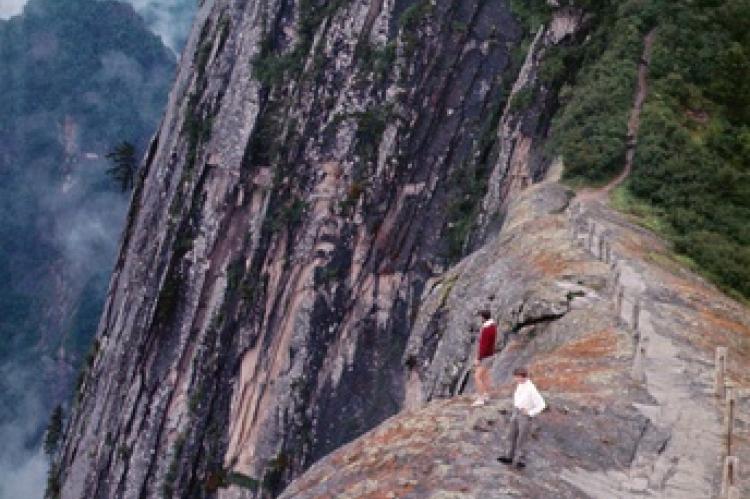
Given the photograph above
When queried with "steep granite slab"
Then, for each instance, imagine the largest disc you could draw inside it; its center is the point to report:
(618, 425)
(300, 193)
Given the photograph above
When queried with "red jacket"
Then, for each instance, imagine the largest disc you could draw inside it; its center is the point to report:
(487, 337)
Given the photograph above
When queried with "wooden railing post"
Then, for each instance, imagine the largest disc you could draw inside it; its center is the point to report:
(720, 368)
(592, 228)
(729, 477)
(636, 315)
(638, 372)
(619, 299)
(607, 252)
(729, 418)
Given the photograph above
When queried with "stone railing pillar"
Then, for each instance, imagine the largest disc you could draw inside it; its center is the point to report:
(638, 372)
(607, 252)
(720, 369)
(729, 489)
(636, 314)
(729, 410)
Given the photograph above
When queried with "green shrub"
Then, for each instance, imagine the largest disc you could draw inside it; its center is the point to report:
(414, 14)
(289, 214)
(54, 431)
(166, 304)
(124, 165)
(241, 480)
(170, 477)
(272, 67)
(53, 482)
(409, 22)
(377, 60)
(371, 125)
(691, 175)
(203, 52)
(274, 472)
(222, 478)
(521, 100)
(531, 13)
(553, 65)
(691, 161)
(235, 272)
(590, 131)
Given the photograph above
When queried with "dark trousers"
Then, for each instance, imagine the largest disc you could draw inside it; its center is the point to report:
(520, 427)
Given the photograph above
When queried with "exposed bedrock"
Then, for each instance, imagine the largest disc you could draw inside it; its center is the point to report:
(631, 406)
(317, 167)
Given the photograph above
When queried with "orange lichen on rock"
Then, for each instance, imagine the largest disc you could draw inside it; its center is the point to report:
(551, 264)
(714, 320)
(579, 366)
(722, 330)
(598, 344)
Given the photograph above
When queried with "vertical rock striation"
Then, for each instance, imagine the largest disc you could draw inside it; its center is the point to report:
(317, 164)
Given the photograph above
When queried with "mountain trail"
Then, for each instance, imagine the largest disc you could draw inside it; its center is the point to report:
(683, 414)
(634, 123)
(667, 361)
(626, 370)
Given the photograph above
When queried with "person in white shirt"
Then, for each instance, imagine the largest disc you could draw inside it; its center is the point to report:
(527, 403)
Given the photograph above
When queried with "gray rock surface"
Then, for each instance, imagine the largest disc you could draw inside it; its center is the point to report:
(610, 432)
(300, 193)
(287, 279)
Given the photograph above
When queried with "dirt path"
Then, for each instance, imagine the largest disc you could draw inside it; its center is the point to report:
(634, 123)
(682, 413)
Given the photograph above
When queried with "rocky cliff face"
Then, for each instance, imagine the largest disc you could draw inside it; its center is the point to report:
(318, 165)
(618, 337)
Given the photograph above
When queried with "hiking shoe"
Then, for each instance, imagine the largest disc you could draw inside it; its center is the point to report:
(505, 460)
(520, 465)
(479, 402)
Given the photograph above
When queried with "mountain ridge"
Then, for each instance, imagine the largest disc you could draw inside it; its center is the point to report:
(319, 172)
(620, 422)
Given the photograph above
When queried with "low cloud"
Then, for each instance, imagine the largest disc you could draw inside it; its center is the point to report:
(23, 465)
(10, 8)
(82, 221)
(170, 19)
(24, 478)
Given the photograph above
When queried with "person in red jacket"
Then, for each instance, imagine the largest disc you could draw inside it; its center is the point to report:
(483, 361)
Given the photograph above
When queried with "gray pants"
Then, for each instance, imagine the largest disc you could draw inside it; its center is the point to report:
(520, 427)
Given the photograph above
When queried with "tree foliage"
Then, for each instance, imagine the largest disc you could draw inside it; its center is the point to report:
(75, 77)
(692, 160)
(691, 164)
(124, 165)
(54, 431)
(590, 131)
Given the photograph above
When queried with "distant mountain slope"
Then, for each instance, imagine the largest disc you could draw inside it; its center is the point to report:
(691, 172)
(76, 77)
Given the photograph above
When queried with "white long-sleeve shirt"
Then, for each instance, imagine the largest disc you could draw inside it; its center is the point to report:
(527, 398)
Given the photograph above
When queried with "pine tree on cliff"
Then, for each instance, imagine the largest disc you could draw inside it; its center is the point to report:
(124, 165)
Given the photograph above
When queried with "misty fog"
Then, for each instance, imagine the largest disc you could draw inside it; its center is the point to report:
(170, 19)
(61, 214)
